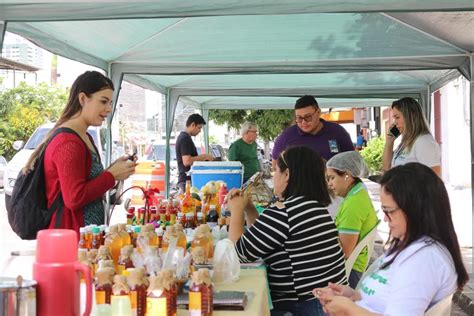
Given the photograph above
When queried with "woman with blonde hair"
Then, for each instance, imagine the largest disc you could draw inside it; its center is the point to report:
(417, 143)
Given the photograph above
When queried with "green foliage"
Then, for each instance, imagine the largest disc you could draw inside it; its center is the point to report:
(233, 118)
(270, 122)
(373, 154)
(23, 109)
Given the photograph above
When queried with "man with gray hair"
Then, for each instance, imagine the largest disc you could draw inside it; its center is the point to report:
(245, 149)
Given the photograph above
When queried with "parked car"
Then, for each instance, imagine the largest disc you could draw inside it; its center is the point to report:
(3, 165)
(20, 159)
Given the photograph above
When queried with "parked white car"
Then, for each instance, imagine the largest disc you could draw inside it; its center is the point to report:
(20, 159)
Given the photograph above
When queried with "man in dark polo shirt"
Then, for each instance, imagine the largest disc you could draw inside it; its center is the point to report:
(186, 152)
(310, 130)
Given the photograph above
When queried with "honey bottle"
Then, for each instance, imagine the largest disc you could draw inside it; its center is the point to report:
(174, 233)
(136, 231)
(138, 288)
(96, 238)
(159, 233)
(201, 239)
(120, 300)
(114, 241)
(122, 229)
(153, 238)
(83, 242)
(92, 256)
(200, 294)
(161, 296)
(103, 254)
(103, 287)
(125, 260)
(82, 258)
(187, 204)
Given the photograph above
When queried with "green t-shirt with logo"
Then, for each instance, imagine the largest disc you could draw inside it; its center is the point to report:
(357, 216)
(246, 154)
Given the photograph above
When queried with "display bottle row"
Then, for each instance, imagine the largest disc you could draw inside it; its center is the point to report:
(139, 295)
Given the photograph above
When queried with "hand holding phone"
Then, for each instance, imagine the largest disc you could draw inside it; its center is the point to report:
(394, 131)
(132, 156)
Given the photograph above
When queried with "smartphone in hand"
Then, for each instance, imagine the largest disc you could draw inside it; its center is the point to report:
(394, 131)
(132, 156)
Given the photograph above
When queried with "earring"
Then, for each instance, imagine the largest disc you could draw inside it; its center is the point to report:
(346, 178)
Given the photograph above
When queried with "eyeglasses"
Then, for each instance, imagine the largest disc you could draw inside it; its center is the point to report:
(256, 132)
(388, 211)
(307, 118)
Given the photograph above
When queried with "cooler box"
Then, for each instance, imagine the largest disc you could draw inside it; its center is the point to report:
(231, 172)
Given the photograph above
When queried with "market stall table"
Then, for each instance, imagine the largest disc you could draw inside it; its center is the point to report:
(252, 281)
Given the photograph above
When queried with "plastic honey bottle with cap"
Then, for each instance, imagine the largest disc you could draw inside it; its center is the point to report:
(136, 231)
(92, 256)
(103, 254)
(83, 242)
(126, 240)
(103, 287)
(96, 238)
(138, 291)
(120, 300)
(152, 237)
(161, 297)
(125, 260)
(201, 294)
(114, 241)
(201, 239)
(187, 204)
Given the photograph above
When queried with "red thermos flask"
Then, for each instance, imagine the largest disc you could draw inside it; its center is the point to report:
(56, 270)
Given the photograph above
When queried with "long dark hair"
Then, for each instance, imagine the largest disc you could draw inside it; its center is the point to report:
(307, 174)
(422, 197)
(89, 83)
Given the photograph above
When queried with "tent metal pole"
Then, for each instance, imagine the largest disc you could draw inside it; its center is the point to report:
(428, 105)
(116, 78)
(170, 108)
(471, 122)
(3, 28)
(205, 115)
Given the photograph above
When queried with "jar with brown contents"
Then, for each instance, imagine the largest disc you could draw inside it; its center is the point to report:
(161, 295)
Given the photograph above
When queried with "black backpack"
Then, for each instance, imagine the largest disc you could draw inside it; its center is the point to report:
(27, 208)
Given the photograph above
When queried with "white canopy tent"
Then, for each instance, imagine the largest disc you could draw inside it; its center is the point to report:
(246, 54)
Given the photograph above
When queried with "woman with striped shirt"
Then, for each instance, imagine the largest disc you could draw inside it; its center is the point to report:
(296, 237)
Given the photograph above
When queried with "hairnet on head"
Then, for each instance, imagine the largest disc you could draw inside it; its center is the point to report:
(350, 162)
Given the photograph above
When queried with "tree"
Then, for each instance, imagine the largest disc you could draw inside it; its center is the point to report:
(23, 109)
(270, 122)
(373, 154)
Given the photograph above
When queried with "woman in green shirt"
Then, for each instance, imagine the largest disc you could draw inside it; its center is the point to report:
(356, 216)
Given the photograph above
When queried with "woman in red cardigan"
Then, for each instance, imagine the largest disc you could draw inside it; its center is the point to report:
(72, 162)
